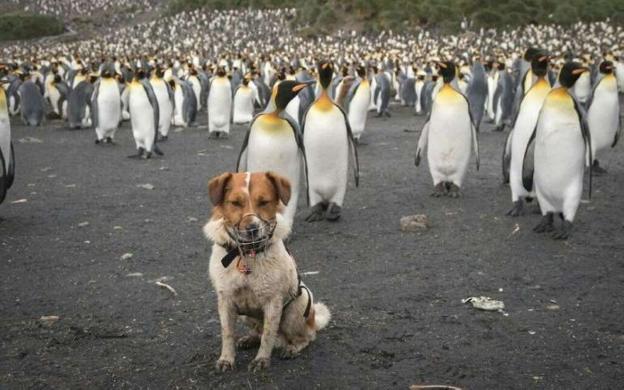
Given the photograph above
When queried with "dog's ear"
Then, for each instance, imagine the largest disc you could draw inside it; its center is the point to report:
(281, 184)
(216, 188)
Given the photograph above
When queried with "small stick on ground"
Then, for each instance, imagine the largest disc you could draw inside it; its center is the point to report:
(433, 387)
(168, 287)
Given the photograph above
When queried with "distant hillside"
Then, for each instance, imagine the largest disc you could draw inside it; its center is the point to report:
(22, 25)
(441, 14)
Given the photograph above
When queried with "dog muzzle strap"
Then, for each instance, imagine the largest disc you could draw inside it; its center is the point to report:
(230, 256)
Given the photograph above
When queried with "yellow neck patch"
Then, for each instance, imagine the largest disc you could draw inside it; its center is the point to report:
(324, 103)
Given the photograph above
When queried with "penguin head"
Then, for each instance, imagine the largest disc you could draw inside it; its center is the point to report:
(530, 53)
(221, 72)
(326, 72)
(448, 71)
(539, 64)
(361, 71)
(606, 67)
(570, 72)
(286, 91)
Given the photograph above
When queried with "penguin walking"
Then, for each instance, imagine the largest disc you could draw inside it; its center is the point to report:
(185, 103)
(7, 154)
(274, 143)
(243, 103)
(562, 143)
(359, 100)
(449, 135)
(219, 105)
(79, 105)
(106, 107)
(164, 95)
(521, 182)
(32, 104)
(503, 99)
(382, 93)
(603, 116)
(144, 116)
(327, 139)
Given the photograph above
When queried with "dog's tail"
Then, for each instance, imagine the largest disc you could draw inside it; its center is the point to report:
(321, 316)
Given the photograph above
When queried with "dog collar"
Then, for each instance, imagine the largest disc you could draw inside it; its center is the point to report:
(233, 252)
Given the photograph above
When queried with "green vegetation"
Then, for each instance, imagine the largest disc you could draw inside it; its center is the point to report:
(439, 14)
(21, 25)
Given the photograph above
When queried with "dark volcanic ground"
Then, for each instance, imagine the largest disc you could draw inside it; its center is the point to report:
(396, 297)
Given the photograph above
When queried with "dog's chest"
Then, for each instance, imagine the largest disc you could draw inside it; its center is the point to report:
(248, 303)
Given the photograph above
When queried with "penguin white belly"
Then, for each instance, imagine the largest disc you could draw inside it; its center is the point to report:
(125, 113)
(109, 109)
(619, 73)
(274, 148)
(292, 109)
(243, 105)
(165, 108)
(418, 86)
(53, 96)
(178, 97)
(373, 105)
(141, 117)
(219, 106)
(603, 115)
(196, 86)
(491, 82)
(559, 160)
(327, 152)
(5, 131)
(582, 87)
(358, 109)
(525, 124)
(450, 138)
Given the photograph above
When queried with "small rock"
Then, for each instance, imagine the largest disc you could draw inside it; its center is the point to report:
(226, 147)
(45, 169)
(29, 140)
(485, 303)
(49, 320)
(117, 227)
(134, 275)
(164, 168)
(51, 176)
(414, 223)
(146, 186)
(553, 307)
(126, 256)
(19, 201)
(83, 224)
(532, 332)
(191, 219)
(70, 186)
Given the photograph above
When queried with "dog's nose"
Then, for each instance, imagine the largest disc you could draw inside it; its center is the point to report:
(253, 227)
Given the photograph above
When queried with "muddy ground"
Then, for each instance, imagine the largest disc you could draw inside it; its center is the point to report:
(398, 318)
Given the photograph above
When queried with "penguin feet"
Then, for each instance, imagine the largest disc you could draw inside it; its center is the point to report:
(387, 114)
(439, 190)
(157, 150)
(213, 135)
(564, 232)
(147, 156)
(333, 212)
(597, 170)
(139, 154)
(517, 209)
(163, 138)
(99, 141)
(109, 140)
(545, 225)
(317, 213)
(453, 190)
(499, 128)
(224, 135)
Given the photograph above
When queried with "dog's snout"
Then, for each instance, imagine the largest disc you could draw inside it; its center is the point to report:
(253, 227)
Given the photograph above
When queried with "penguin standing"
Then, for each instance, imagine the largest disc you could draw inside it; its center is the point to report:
(503, 99)
(274, 143)
(582, 87)
(219, 105)
(185, 102)
(603, 116)
(521, 182)
(359, 101)
(144, 115)
(106, 107)
(449, 135)
(32, 104)
(562, 143)
(382, 93)
(418, 86)
(7, 155)
(164, 95)
(327, 139)
(79, 105)
(243, 103)
(477, 92)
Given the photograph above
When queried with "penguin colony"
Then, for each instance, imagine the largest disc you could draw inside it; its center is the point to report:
(307, 102)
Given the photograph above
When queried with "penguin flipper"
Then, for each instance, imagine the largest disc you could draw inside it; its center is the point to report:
(352, 147)
(618, 132)
(528, 166)
(475, 143)
(507, 157)
(422, 143)
(11, 171)
(170, 94)
(300, 145)
(586, 138)
(94, 105)
(3, 178)
(243, 149)
(151, 96)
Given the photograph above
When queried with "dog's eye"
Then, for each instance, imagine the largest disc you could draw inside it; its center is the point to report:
(236, 203)
(263, 203)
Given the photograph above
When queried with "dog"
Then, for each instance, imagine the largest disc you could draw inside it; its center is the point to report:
(252, 272)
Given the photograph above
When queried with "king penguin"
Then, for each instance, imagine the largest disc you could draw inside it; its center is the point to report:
(449, 134)
(166, 101)
(144, 115)
(521, 134)
(562, 143)
(106, 107)
(359, 98)
(7, 154)
(244, 97)
(603, 116)
(219, 105)
(274, 143)
(327, 139)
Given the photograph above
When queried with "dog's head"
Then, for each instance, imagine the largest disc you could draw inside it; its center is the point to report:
(247, 207)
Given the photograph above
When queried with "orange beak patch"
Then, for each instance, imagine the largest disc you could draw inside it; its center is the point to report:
(298, 87)
(578, 71)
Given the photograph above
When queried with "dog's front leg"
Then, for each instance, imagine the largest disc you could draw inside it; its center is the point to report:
(272, 317)
(227, 315)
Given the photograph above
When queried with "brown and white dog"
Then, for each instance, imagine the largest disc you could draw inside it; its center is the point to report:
(252, 272)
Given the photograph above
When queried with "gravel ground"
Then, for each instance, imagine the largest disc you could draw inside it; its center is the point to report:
(398, 318)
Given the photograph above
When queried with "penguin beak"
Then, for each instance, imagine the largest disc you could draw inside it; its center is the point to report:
(579, 70)
(299, 87)
(442, 65)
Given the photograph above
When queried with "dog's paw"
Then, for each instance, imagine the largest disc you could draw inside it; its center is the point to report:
(259, 364)
(224, 365)
(247, 342)
(290, 353)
